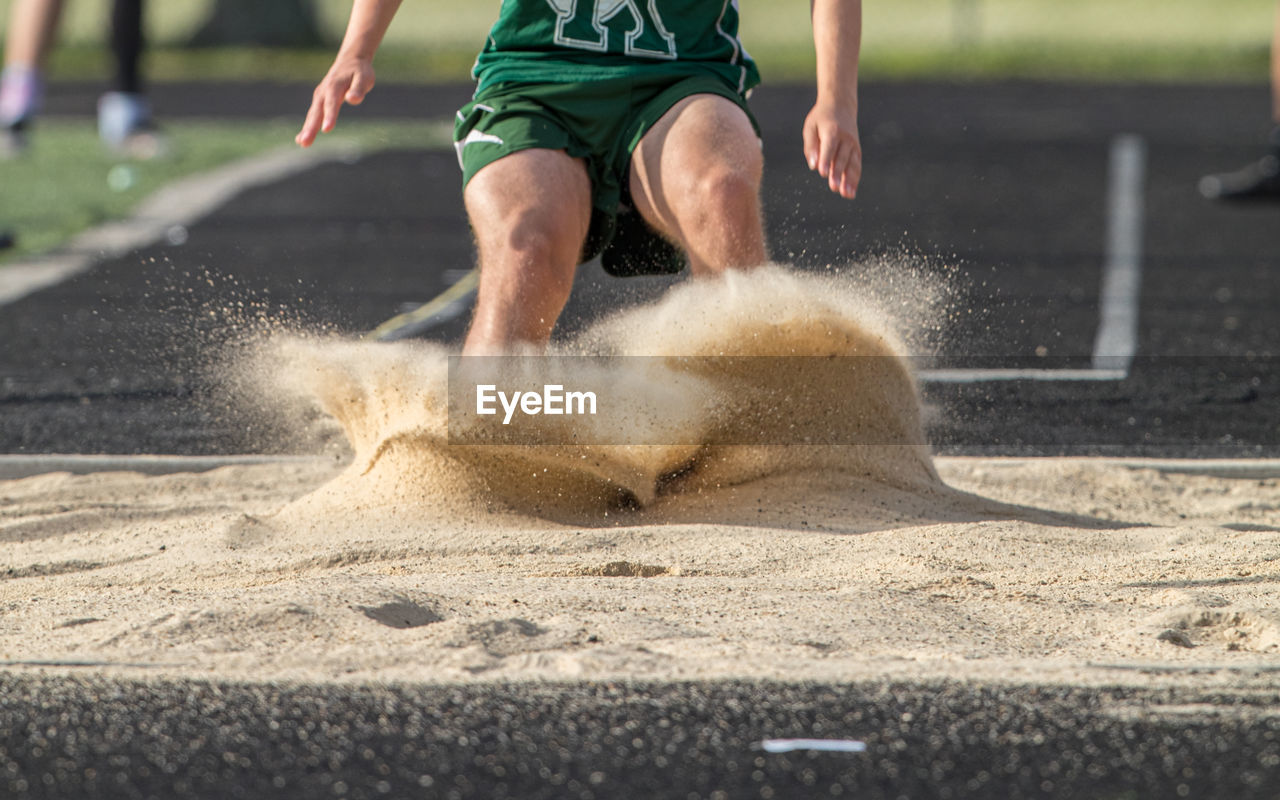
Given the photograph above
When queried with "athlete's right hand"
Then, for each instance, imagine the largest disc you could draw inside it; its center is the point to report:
(832, 146)
(349, 80)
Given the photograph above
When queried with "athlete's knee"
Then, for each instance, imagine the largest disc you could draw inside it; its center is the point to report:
(534, 239)
(725, 194)
(537, 240)
(518, 217)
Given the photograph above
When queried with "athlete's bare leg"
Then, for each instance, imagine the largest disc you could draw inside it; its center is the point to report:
(1275, 66)
(695, 177)
(530, 212)
(31, 27)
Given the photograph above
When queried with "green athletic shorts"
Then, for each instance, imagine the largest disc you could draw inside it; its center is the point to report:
(598, 121)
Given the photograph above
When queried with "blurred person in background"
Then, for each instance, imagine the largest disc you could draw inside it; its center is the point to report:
(1261, 179)
(124, 115)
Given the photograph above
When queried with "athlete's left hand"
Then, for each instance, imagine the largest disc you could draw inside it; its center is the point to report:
(832, 148)
(348, 81)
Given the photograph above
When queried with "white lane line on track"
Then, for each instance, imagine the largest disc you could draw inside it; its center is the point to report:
(1117, 338)
(14, 467)
(1116, 341)
(169, 210)
(1234, 468)
(990, 375)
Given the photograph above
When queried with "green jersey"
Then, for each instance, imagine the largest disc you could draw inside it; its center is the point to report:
(559, 41)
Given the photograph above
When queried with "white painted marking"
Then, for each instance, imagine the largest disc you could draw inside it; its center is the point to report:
(826, 745)
(1231, 468)
(1117, 339)
(1116, 342)
(13, 467)
(178, 204)
(19, 280)
(991, 375)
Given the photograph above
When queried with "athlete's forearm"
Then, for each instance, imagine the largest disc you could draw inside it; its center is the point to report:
(351, 76)
(831, 143)
(837, 40)
(366, 27)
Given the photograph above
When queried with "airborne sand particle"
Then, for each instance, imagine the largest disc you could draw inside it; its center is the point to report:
(390, 400)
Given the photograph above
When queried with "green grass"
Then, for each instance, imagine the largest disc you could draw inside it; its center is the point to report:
(63, 184)
(779, 63)
(1083, 39)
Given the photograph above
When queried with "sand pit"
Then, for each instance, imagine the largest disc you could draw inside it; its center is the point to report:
(181, 575)
(406, 558)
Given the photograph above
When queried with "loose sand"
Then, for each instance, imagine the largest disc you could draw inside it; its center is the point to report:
(404, 558)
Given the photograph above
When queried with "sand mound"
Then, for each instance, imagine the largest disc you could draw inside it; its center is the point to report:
(195, 576)
(700, 372)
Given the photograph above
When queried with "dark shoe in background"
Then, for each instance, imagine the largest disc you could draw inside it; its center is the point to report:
(1259, 181)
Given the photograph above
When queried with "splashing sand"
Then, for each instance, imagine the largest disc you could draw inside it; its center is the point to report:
(391, 401)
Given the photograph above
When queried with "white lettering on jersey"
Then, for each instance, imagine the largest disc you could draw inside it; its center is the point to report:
(581, 24)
